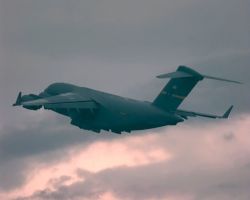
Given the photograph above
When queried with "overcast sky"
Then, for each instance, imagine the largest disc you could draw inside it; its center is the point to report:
(119, 47)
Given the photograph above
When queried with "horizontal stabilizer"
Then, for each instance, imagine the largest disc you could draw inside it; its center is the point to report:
(177, 74)
(221, 79)
(184, 72)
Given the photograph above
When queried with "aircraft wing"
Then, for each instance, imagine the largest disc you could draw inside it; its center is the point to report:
(66, 100)
(186, 114)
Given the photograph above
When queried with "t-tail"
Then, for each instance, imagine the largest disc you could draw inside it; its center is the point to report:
(182, 81)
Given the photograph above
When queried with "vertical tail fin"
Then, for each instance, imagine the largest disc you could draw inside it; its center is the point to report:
(180, 85)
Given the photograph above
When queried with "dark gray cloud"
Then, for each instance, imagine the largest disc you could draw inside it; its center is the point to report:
(112, 29)
(41, 138)
(46, 141)
(13, 173)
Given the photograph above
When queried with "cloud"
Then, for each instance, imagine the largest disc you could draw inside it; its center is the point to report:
(203, 165)
(43, 140)
(99, 43)
(105, 29)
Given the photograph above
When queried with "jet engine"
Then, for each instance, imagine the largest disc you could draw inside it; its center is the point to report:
(28, 97)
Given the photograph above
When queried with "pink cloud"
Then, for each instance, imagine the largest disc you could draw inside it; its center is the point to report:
(130, 151)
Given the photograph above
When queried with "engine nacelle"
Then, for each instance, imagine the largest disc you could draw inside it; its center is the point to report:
(30, 97)
(33, 107)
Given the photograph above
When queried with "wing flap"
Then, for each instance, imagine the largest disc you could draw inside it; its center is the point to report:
(67, 100)
(68, 105)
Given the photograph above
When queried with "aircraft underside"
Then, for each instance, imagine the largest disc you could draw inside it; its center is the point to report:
(120, 122)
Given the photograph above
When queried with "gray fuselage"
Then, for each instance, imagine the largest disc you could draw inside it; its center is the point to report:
(113, 112)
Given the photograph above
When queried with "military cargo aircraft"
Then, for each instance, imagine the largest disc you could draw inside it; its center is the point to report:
(95, 110)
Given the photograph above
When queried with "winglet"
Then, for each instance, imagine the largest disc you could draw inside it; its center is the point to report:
(18, 100)
(227, 113)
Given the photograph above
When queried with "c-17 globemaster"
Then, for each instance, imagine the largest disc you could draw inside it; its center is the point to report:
(95, 110)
